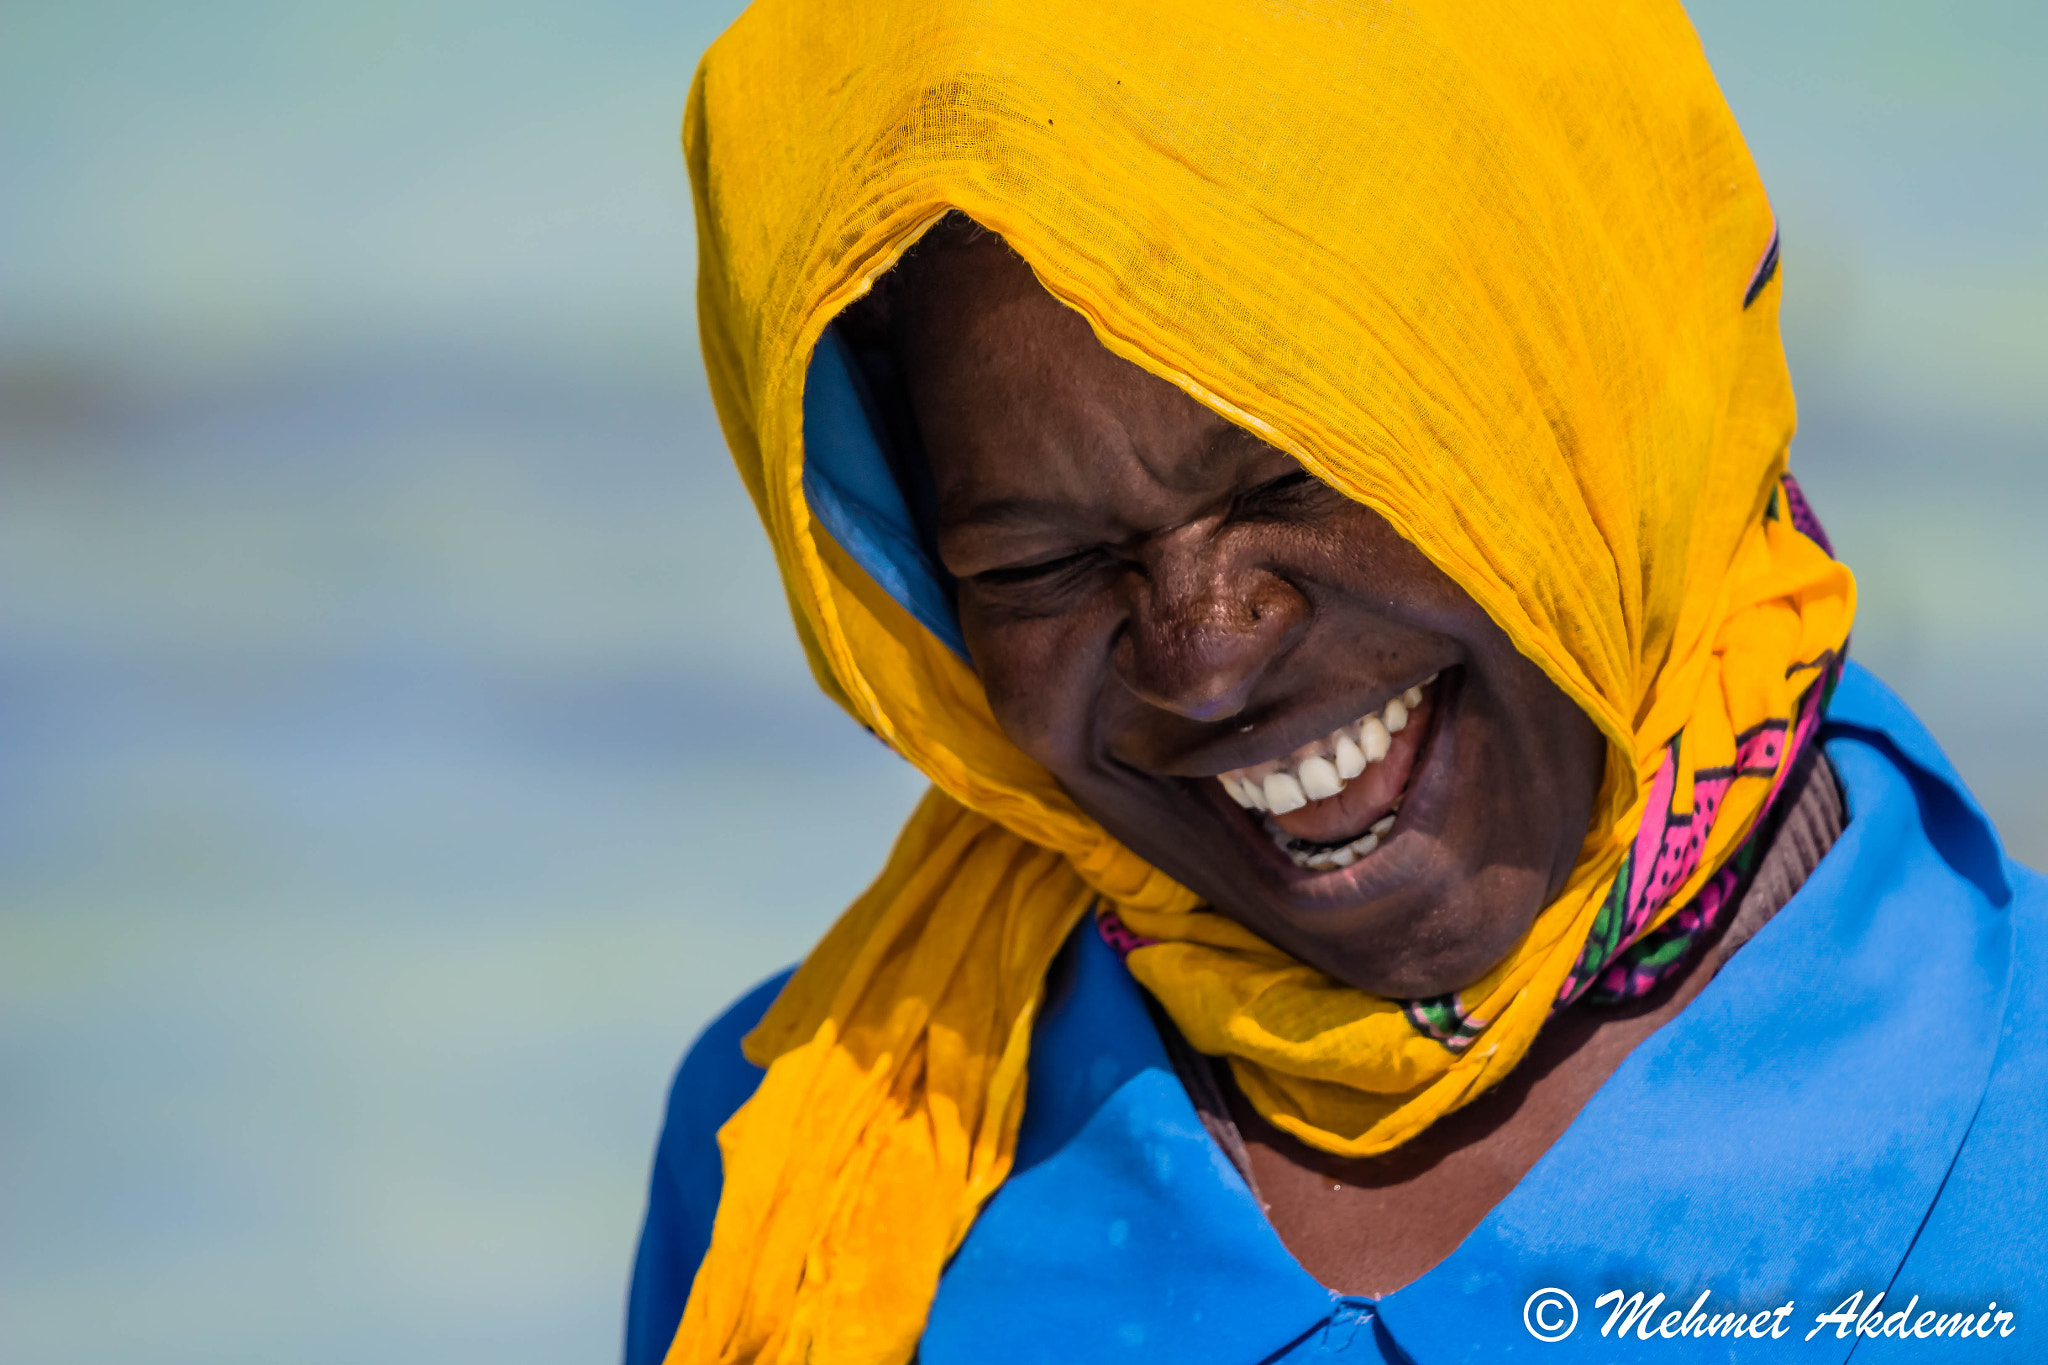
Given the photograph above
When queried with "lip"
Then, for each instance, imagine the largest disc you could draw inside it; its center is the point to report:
(1416, 803)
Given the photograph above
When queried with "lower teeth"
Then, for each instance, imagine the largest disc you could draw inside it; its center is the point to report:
(1323, 857)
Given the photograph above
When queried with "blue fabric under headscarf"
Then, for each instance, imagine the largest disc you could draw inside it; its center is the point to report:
(853, 491)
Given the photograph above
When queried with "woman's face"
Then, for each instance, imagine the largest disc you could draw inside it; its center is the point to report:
(1155, 599)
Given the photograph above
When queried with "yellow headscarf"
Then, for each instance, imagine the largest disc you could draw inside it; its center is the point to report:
(1481, 265)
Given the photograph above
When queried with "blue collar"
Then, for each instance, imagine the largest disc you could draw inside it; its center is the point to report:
(1783, 1138)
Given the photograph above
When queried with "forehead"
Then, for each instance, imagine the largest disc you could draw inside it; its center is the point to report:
(1023, 410)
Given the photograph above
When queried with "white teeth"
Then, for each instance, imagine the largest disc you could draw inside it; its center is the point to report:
(1323, 859)
(1319, 778)
(1319, 771)
(1374, 739)
(1283, 793)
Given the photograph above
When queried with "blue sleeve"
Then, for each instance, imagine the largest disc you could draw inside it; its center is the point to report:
(713, 1082)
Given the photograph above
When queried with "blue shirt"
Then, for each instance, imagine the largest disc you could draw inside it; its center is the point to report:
(1852, 1107)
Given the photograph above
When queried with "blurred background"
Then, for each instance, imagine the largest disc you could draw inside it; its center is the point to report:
(403, 747)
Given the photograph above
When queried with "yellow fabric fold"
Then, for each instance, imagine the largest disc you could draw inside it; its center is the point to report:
(1479, 264)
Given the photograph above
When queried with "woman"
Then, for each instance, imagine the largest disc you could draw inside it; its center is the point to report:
(1405, 856)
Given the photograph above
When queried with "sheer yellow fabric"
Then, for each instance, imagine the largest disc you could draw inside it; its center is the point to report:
(1481, 265)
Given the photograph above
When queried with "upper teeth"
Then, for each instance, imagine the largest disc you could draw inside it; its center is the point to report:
(1320, 770)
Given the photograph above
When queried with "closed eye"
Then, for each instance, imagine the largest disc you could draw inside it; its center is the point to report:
(1039, 572)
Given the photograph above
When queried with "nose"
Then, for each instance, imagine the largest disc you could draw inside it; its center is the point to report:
(1204, 623)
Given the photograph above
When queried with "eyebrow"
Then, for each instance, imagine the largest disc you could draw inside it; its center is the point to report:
(1004, 514)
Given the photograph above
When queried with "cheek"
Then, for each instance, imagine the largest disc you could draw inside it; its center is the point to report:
(1564, 740)
(1037, 676)
(1562, 757)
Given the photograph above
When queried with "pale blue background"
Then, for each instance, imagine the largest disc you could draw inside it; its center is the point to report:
(403, 748)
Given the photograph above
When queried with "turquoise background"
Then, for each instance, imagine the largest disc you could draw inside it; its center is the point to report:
(403, 747)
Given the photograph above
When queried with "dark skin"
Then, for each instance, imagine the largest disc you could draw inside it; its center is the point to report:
(1153, 596)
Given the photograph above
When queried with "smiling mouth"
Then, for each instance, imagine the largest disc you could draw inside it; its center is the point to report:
(1334, 800)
